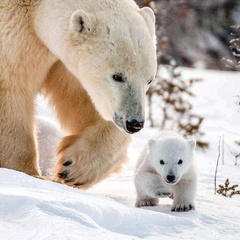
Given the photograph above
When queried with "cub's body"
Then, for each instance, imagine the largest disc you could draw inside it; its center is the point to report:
(166, 169)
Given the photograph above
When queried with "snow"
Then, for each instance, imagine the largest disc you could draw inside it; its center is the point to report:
(32, 208)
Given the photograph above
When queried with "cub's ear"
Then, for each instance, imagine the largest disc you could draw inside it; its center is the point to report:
(82, 22)
(191, 143)
(151, 142)
(149, 18)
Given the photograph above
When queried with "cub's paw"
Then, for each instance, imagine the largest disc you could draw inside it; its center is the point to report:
(148, 202)
(161, 192)
(183, 207)
(171, 196)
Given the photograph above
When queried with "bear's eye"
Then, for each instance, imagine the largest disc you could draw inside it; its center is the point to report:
(162, 162)
(180, 162)
(118, 77)
(150, 81)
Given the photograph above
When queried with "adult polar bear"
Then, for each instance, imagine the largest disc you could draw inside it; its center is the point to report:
(94, 60)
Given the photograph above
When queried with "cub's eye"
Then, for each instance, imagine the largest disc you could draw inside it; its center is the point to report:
(162, 162)
(180, 162)
(118, 77)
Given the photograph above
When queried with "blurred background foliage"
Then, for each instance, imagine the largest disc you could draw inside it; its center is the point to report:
(190, 33)
(195, 33)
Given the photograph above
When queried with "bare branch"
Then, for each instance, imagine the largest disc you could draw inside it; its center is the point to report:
(215, 175)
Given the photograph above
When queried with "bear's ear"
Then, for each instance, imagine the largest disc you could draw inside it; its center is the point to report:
(82, 22)
(149, 17)
(191, 143)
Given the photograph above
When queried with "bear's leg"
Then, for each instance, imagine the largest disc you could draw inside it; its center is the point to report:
(17, 139)
(184, 195)
(95, 148)
(149, 188)
(90, 157)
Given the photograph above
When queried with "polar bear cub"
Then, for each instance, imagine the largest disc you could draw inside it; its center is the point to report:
(166, 169)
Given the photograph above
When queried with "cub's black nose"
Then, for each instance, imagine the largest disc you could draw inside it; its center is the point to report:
(170, 178)
(134, 126)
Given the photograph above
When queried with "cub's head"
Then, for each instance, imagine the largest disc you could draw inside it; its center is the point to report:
(112, 52)
(171, 157)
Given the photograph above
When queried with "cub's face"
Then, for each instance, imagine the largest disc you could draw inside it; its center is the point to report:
(171, 158)
(116, 62)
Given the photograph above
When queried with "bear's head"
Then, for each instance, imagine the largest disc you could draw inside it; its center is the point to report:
(111, 49)
(171, 157)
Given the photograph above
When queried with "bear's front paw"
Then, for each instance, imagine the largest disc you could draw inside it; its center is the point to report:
(148, 202)
(184, 207)
(84, 160)
(80, 164)
(69, 173)
(77, 165)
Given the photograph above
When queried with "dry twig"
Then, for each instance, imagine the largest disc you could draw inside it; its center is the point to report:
(215, 175)
(226, 190)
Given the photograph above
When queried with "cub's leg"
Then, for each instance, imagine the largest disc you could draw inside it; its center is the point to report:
(149, 188)
(17, 133)
(184, 195)
(95, 148)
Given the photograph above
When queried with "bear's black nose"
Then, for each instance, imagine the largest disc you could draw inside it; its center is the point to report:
(170, 178)
(134, 126)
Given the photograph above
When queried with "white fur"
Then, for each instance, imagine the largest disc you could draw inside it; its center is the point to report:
(48, 137)
(121, 41)
(71, 49)
(152, 177)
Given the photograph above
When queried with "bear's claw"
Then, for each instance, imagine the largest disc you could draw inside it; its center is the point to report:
(69, 180)
(67, 163)
(68, 176)
(64, 174)
(68, 173)
(78, 184)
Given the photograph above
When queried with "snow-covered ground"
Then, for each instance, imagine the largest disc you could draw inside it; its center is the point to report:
(35, 209)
